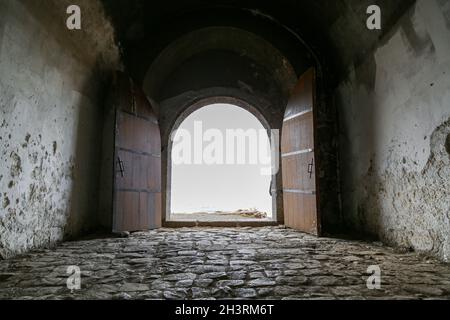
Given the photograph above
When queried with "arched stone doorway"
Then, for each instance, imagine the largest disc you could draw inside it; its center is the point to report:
(270, 135)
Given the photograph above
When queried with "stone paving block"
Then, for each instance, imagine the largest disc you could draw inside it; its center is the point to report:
(254, 263)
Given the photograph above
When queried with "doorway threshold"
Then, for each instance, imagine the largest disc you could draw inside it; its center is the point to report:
(220, 219)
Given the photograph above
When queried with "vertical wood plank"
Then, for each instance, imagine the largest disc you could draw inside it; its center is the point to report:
(299, 160)
(137, 190)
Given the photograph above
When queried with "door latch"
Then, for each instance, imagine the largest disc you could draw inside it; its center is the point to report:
(310, 168)
(121, 167)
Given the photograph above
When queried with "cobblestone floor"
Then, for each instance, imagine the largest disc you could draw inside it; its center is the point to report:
(258, 263)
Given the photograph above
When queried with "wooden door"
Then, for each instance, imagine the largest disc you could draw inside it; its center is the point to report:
(299, 160)
(137, 162)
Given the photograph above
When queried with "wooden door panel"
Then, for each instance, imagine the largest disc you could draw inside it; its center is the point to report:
(125, 125)
(152, 176)
(300, 100)
(155, 201)
(144, 206)
(307, 205)
(130, 137)
(141, 172)
(298, 134)
(142, 110)
(127, 214)
(125, 177)
(137, 183)
(304, 179)
(299, 160)
(153, 142)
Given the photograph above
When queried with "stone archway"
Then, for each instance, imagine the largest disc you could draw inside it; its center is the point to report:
(189, 110)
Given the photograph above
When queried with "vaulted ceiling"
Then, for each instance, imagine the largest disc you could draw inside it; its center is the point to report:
(332, 33)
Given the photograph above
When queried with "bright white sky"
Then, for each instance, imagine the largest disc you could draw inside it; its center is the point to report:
(209, 188)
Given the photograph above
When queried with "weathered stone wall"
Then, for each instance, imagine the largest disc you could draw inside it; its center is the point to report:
(394, 121)
(51, 87)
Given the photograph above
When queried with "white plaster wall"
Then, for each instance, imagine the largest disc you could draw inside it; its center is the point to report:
(50, 109)
(395, 119)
